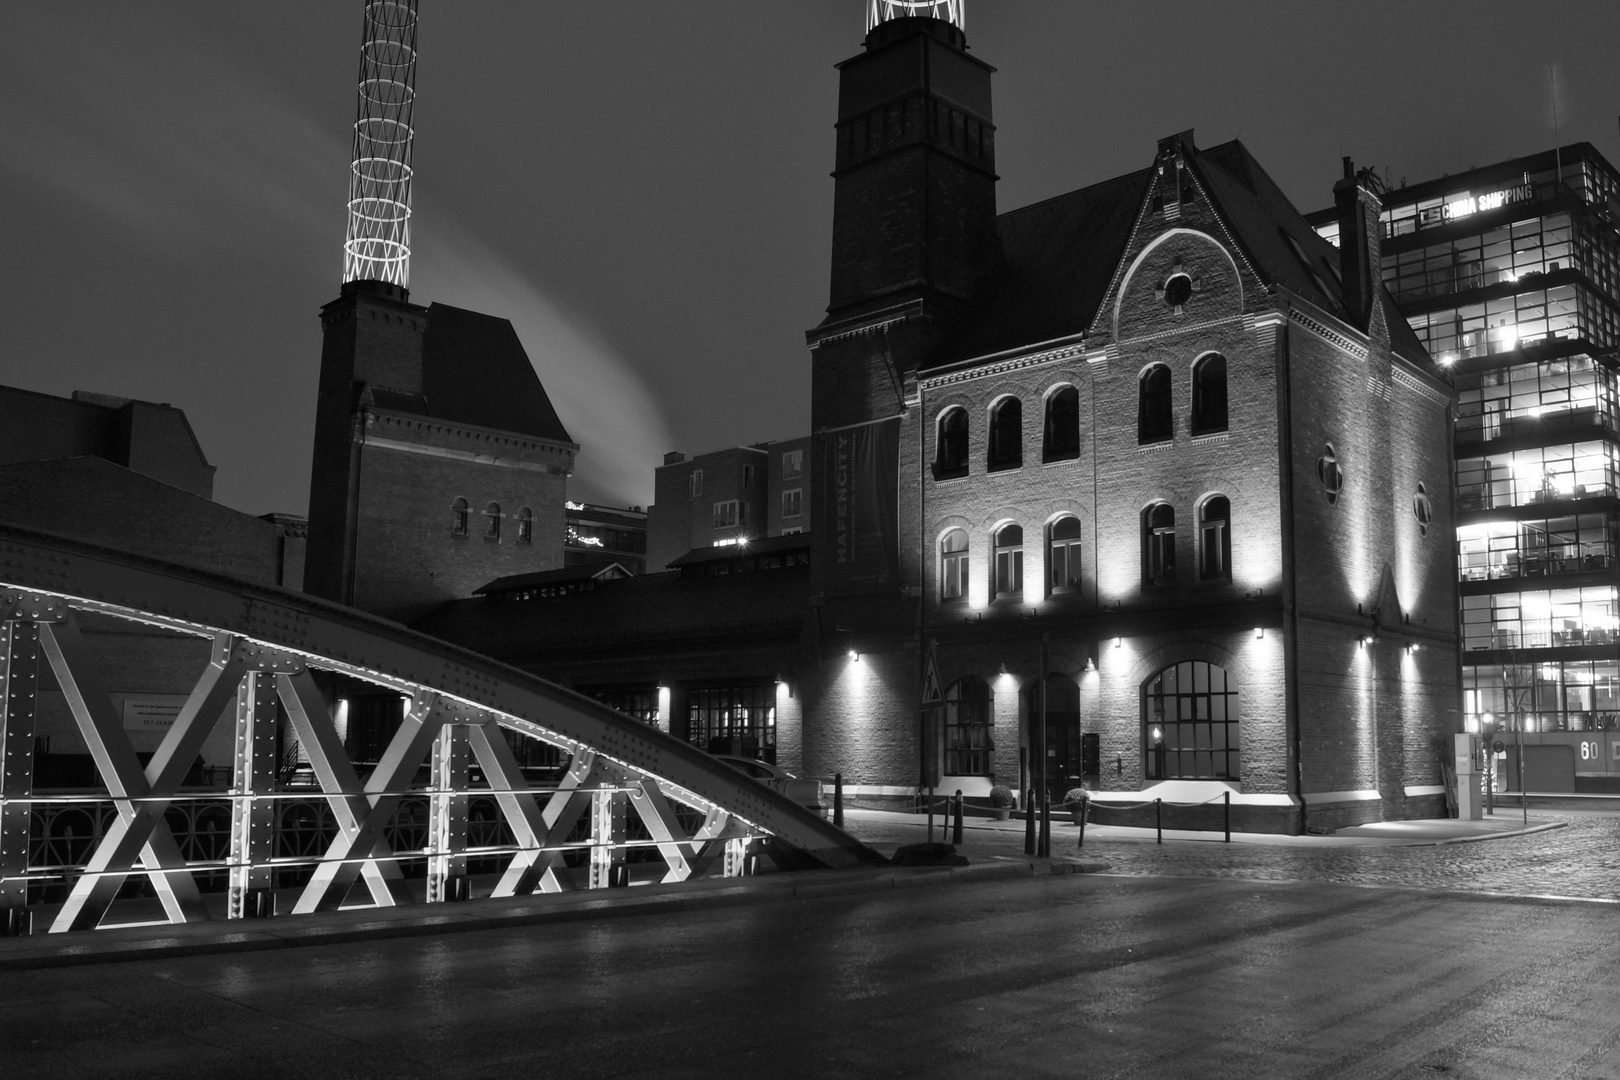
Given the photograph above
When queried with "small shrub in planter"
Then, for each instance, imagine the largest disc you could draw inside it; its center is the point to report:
(1074, 795)
(1001, 797)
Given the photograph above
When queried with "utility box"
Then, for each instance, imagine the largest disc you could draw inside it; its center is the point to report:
(1466, 749)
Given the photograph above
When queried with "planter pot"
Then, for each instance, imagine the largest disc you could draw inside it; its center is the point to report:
(1002, 813)
(1075, 814)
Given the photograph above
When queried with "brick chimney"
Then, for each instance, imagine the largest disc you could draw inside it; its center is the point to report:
(1359, 200)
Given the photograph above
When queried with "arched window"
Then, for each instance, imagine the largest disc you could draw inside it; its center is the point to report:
(1062, 440)
(1009, 579)
(951, 445)
(525, 526)
(1154, 422)
(1063, 554)
(967, 727)
(459, 513)
(1007, 434)
(1159, 544)
(1215, 538)
(953, 565)
(1190, 723)
(1209, 395)
(492, 522)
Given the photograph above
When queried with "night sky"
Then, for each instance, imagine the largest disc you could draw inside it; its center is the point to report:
(641, 186)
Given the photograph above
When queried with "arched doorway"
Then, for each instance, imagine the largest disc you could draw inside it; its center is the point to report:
(1063, 756)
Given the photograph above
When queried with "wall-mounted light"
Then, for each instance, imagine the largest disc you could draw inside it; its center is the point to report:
(1091, 664)
(1004, 670)
(1259, 632)
(1411, 647)
(1119, 643)
(854, 657)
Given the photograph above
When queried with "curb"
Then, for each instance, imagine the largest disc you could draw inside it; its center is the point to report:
(115, 945)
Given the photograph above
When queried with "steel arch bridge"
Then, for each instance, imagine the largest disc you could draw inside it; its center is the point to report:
(628, 790)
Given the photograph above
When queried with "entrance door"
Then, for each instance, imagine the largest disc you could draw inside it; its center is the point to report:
(1064, 757)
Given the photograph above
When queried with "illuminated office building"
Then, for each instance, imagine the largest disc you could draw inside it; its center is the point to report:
(1509, 276)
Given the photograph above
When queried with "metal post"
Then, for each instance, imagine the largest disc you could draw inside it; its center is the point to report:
(1029, 820)
(838, 800)
(19, 678)
(1046, 827)
(1226, 813)
(956, 829)
(1524, 799)
(1158, 818)
(447, 816)
(1082, 842)
(253, 775)
(607, 838)
(930, 814)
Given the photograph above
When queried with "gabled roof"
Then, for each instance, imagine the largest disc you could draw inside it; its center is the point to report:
(1058, 257)
(600, 571)
(475, 371)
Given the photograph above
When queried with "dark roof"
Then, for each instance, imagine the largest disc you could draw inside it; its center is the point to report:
(1058, 257)
(474, 371)
(617, 615)
(567, 574)
(769, 546)
(1057, 260)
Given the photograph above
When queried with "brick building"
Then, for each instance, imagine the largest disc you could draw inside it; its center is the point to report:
(1154, 440)
(440, 463)
(726, 497)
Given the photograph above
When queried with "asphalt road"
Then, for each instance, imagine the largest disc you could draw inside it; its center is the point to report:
(1080, 975)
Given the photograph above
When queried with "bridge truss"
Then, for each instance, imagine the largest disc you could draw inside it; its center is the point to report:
(447, 793)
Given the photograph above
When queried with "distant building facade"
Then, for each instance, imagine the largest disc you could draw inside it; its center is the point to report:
(1146, 481)
(594, 535)
(1510, 274)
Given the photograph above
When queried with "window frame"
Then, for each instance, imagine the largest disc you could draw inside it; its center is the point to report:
(1051, 448)
(1007, 565)
(695, 483)
(1004, 449)
(525, 525)
(1208, 393)
(969, 728)
(1195, 708)
(1158, 546)
(956, 463)
(492, 527)
(1155, 409)
(1221, 545)
(1072, 548)
(796, 495)
(460, 517)
(955, 566)
(727, 514)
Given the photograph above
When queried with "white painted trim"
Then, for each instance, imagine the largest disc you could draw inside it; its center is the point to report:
(1313, 798)
(1194, 791)
(984, 368)
(1225, 320)
(1413, 790)
(874, 789)
(462, 455)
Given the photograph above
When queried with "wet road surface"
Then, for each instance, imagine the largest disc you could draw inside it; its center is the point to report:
(1079, 975)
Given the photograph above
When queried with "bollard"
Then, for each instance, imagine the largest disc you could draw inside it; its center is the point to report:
(1046, 828)
(930, 815)
(18, 922)
(838, 800)
(1158, 818)
(1082, 822)
(956, 829)
(1226, 812)
(1029, 822)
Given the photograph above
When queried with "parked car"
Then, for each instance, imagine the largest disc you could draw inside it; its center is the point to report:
(805, 792)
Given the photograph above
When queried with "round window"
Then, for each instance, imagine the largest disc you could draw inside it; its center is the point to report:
(1178, 290)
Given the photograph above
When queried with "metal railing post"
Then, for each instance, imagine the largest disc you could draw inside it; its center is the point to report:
(1158, 819)
(956, 827)
(1226, 812)
(838, 800)
(1082, 822)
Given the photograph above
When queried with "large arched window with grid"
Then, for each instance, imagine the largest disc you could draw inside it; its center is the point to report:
(1190, 724)
(968, 744)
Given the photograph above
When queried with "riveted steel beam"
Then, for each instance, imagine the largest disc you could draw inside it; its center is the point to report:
(447, 814)
(253, 779)
(19, 686)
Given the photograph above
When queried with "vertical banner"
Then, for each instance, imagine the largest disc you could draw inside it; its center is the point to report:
(860, 474)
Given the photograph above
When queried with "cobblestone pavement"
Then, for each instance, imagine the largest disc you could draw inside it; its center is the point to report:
(1580, 860)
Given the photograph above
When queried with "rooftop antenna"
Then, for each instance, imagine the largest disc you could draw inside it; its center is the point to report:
(950, 11)
(377, 243)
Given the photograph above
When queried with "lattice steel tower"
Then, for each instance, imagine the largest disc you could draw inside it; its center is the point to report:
(377, 244)
(950, 11)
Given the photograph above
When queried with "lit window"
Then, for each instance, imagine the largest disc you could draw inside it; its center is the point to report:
(1009, 579)
(1063, 554)
(492, 522)
(953, 565)
(1190, 724)
(525, 533)
(459, 513)
(696, 480)
(1159, 544)
(792, 502)
(725, 514)
(951, 445)
(1209, 395)
(1006, 434)
(1215, 539)
(1154, 421)
(792, 464)
(1062, 440)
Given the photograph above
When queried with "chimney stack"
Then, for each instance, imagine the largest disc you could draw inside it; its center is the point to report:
(1359, 200)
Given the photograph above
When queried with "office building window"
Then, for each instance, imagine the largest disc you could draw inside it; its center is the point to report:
(1215, 538)
(1006, 434)
(1158, 544)
(792, 502)
(1009, 579)
(792, 464)
(1062, 437)
(953, 565)
(725, 514)
(734, 719)
(1209, 395)
(748, 476)
(968, 744)
(696, 480)
(1154, 420)
(951, 445)
(1063, 554)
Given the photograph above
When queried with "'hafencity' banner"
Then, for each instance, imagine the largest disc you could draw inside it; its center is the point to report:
(860, 467)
